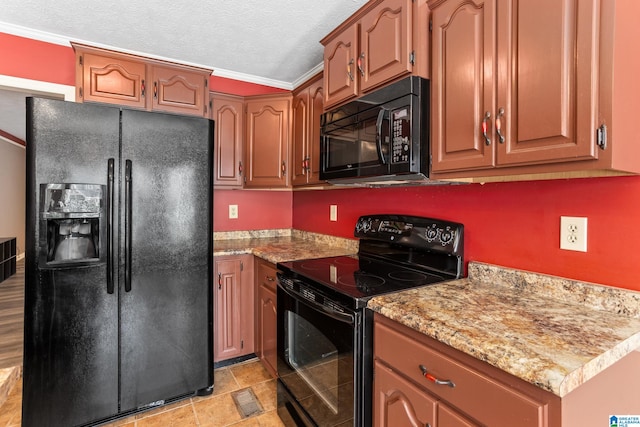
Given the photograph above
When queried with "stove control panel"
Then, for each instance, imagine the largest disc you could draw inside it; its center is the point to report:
(429, 234)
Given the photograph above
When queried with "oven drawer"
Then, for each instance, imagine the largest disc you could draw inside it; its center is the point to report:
(481, 391)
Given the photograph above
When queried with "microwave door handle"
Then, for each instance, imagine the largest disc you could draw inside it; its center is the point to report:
(379, 121)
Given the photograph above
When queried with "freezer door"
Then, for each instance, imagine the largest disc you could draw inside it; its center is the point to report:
(71, 320)
(165, 287)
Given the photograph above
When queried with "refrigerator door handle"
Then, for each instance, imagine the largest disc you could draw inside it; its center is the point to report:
(110, 209)
(127, 225)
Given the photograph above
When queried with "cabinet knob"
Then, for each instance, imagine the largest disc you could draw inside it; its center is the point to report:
(485, 127)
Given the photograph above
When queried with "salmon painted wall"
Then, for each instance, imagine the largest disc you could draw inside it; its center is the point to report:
(257, 210)
(510, 224)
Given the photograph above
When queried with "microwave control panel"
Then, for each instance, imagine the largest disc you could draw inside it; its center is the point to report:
(401, 135)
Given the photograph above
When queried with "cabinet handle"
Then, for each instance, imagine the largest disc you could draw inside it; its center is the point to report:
(360, 67)
(435, 380)
(142, 88)
(485, 127)
(499, 125)
(270, 278)
(305, 165)
(155, 90)
(284, 168)
(219, 281)
(240, 168)
(349, 73)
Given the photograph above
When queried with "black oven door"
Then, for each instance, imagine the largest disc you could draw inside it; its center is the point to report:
(316, 347)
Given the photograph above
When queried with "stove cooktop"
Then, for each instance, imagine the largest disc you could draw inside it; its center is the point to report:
(359, 278)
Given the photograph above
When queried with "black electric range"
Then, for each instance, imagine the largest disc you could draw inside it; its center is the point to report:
(322, 321)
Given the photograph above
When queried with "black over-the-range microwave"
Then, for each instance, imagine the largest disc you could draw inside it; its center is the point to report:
(381, 136)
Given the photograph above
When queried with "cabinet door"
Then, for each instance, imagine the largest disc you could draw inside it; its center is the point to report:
(179, 91)
(266, 150)
(234, 307)
(340, 68)
(547, 63)
(112, 80)
(300, 137)
(447, 417)
(228, 114)
(316, 103)
(463, 84)
(266, 315)
(398, 402)
(385, 43)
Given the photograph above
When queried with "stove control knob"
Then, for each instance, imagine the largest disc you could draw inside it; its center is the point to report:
(446, 237)
(364, 225)
(432, 234)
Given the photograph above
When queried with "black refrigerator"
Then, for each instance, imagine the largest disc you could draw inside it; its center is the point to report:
(118, 301)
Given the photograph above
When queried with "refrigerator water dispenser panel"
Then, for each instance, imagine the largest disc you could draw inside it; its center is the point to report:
(71, 222)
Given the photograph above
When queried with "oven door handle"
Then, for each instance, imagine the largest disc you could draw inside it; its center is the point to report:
(337, 315)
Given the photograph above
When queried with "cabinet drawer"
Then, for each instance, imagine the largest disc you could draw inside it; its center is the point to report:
(475, 393)
(266, 274)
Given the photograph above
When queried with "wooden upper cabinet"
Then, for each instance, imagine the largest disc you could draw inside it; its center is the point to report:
(227, 111)
(522, 89)
(385, 43)
(340, 70)
(373, 47)
(267, 141)
(102, 78)
(134, 81)
(307, 108)
(180, 91)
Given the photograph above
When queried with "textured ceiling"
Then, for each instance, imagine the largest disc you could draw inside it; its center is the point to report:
(270, 42)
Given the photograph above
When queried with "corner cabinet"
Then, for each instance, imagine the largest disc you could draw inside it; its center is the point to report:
(234, 307)
(373, 47)
(306, 110)
(227, 111)
(267, 141)
(521, 88)
(420, 381)
(133, 81)
(266, 314)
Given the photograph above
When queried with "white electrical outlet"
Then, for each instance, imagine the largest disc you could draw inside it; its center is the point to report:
(573, 233)
(233, 211)
(333, 213)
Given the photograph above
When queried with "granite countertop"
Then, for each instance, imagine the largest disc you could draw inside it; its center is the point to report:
(283, 246)
(552, 332)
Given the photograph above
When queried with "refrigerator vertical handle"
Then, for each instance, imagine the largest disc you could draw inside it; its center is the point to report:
(110, 209)
(127, 225)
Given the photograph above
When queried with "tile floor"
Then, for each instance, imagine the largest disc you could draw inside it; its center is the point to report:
(217, 410)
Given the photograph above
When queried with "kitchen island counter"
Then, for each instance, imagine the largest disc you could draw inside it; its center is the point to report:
(552, 332)
(283, 246)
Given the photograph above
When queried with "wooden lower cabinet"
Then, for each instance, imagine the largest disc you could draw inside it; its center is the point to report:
(481, 395)
(233, 334)
(266, 315)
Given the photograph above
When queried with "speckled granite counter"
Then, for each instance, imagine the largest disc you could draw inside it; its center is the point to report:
(282, 245)
(552, 332)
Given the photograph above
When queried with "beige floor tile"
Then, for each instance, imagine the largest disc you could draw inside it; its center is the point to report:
(224, 382)
(180, 417)
(247, 374)
(217, 411)
(266, 394)
(270, 419)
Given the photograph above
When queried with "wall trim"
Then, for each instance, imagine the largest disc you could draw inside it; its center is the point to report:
(37, 86)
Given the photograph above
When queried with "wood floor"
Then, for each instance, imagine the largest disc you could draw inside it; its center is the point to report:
(11, 318)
